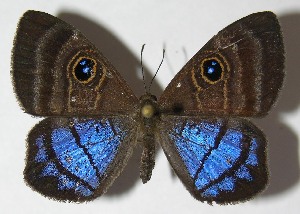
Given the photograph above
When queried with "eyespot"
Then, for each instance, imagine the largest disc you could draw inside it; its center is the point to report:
(212, 70)
(85, 69)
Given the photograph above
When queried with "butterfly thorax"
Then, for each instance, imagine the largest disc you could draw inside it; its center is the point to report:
(149, 115)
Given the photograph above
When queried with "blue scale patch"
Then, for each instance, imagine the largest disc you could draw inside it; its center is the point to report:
(41, 155)
(252, 158)
(64, 182)
(72, 156)
(194, 142)
(220, 159)
(227, 184)
(208, 162)
(83, 154)
(100, 142)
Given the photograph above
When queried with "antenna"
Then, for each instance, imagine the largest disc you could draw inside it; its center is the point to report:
(143, 68)
(157, 70)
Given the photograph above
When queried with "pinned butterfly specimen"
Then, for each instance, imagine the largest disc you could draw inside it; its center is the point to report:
(93, 119)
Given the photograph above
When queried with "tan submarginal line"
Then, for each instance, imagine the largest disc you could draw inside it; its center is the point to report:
(98, 97)
(199, 105)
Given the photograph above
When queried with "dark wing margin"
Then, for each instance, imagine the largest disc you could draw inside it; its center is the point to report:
(49, 63)
(70, 159)
(218, 160)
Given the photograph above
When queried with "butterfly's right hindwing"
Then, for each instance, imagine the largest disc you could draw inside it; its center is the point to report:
(77, 159)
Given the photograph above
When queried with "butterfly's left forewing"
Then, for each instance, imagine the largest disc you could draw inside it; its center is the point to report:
(217, 159)
(217, 154)
(77, 159)
(239, 72)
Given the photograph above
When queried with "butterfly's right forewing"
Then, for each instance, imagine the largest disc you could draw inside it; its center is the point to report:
(56, 71)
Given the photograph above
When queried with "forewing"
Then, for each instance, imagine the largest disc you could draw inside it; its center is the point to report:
(218, 160)
(57, 71)
(77, 160)
(238, 72)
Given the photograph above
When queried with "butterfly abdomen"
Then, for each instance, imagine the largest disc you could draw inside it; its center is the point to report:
(149, 115)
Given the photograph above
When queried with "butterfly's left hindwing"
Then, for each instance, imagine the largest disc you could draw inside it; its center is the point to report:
(77, 159)
(217, 159)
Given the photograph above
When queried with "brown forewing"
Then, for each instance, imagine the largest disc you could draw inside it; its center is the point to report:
(45, 49)
(252, 55)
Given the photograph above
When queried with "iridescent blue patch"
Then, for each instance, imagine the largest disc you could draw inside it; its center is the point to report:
(215, 158)
(194, 142)
(83, 153)
(41, 155)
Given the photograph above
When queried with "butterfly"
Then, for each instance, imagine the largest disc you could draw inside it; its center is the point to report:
(93, 119)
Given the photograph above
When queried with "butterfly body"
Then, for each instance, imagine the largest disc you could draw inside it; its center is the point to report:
(94, 120)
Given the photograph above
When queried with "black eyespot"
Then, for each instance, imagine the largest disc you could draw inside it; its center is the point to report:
(212, 70)
(84, 69)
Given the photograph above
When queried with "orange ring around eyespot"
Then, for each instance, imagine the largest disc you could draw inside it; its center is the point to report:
(202, 70)
(94, 69)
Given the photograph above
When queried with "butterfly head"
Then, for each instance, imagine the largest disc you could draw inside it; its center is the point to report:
(149, 106)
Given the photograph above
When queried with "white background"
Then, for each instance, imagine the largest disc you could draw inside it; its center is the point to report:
(119, 28)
